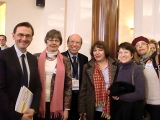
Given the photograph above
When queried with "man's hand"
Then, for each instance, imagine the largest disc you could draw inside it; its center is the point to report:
(26, 117)
(28, 114)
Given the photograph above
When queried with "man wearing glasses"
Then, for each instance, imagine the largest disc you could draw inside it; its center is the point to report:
(74, 44)
(3, 40)
(18, 68)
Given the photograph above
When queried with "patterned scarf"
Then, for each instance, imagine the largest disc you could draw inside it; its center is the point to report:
(144, 60)
(56, 103)
(102, 98)
(146, 57)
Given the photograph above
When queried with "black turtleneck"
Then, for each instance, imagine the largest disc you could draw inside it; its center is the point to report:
(125, 74)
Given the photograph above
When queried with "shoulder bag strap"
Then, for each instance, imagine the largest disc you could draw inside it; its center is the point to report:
(133, 76)
(158, 66)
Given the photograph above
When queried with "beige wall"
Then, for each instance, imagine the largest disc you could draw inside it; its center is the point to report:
(24, 10)
(67, 16)
(147, 18)
(75, 16)
(126, 19)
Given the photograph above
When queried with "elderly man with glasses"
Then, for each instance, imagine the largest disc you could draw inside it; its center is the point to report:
(77, 59)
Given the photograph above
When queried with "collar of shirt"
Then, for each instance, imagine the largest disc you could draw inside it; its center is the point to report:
(71, 55)
(19, 53)
(51, 53)
(3, 47)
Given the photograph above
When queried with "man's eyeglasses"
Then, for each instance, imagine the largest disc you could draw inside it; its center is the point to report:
(51, 40)
(142, 44)
(20, 35)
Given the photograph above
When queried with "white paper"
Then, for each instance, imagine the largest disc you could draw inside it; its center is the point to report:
(24, 100)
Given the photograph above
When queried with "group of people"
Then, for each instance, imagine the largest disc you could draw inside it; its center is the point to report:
(66, 86)
(137, 67)
(54, 78)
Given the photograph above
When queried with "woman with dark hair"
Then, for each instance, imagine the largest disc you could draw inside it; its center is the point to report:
(55, 76)
(98, 75)
(129, 105)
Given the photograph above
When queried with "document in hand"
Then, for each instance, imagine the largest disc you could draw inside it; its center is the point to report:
(24, 100)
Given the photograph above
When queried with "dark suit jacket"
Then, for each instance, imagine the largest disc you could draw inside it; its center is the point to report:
(10, 83)
(73, 113)
(82, 60)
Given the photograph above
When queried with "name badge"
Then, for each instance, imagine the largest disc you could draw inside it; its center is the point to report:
(148, 65)
(54, 71)
(75, 84)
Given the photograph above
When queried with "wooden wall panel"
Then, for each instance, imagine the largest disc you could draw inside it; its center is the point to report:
(105, 23)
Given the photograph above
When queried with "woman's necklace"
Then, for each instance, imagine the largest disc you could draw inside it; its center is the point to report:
(51, 59)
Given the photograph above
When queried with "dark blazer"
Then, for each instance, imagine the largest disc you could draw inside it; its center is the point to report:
(86, 99)
(82, 60)
(11, 81)
(73, 113)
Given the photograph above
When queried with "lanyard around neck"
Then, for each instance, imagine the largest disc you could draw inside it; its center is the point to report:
(75, 71)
